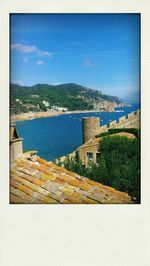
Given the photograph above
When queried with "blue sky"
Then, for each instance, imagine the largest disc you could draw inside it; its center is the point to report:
(99, 51)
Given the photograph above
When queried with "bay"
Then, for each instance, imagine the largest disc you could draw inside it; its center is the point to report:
(54, 137)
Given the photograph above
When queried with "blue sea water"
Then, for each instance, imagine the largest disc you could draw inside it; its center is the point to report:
(56, 136)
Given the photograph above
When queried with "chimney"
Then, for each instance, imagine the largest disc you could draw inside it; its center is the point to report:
(16, 149)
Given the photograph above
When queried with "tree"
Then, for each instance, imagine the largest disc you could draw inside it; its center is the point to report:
(118, 165)
(122, 158)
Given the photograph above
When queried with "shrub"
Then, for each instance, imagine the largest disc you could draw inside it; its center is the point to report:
(111, 131)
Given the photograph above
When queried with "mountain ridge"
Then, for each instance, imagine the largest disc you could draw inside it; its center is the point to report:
(68, 95)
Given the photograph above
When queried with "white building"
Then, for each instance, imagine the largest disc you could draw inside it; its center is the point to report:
(46, 103)
(58, 108)
(35, 96)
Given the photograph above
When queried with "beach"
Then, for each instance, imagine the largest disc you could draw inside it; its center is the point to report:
(35, 115)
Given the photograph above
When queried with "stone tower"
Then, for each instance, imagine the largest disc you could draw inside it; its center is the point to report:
(90, 127)
(16, 150)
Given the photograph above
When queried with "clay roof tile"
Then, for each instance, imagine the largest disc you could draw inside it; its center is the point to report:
(43, 182)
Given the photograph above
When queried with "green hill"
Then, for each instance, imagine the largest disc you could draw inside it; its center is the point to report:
(70, 96)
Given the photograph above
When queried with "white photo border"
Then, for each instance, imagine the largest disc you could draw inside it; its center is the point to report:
(74, 235)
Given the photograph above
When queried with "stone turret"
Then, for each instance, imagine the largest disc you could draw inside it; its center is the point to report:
(90, 127)
(16, 150)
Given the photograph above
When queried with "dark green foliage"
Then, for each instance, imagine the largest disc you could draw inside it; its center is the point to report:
(118, 166)
(72, 96)
(43, 107)
(111, 131)
(74, 165)
(134, 131)
(122, 159)
(104, 134)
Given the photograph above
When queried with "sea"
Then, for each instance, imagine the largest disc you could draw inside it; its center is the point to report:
(54, 137)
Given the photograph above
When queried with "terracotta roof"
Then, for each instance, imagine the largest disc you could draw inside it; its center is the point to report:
(94, 141)
(43, 182)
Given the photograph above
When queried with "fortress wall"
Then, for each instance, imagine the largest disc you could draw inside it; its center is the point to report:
(71, 155)
(68, 156)
(103, 129)
(113, 124)
(90, 127)
(132, 121)
(122, 119)
(131, 115)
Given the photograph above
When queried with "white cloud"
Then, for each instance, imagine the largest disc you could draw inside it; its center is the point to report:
(42, 53)
(26, 49)
(19, 82)
(40, 62)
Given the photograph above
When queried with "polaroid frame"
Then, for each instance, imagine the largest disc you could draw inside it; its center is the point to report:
(82, 235)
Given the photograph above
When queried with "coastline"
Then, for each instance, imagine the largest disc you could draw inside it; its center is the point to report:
(36, 115)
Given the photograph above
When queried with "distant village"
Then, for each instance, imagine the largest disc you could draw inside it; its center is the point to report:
(18, 107)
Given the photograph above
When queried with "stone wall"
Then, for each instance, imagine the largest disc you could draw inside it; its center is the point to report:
(68, 156)
(90, 127)
(131, 121)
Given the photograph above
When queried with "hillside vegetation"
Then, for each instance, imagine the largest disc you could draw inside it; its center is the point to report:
(70, 96)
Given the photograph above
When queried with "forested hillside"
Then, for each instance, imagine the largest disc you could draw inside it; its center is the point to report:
(70, 96)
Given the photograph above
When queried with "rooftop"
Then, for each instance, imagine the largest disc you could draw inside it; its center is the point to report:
(43, 182)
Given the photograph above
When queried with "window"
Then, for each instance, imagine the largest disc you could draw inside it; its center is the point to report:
(89, 155)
